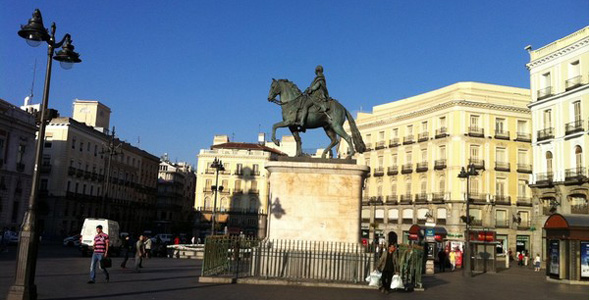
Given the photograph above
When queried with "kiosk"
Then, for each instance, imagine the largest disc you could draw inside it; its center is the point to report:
(567, 248)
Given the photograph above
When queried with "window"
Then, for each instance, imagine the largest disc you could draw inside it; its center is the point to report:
(368, 139)
(474, 152)
(424, 126)
(577, 111)
(255, 169)
(238, 185)
(20, 154)
(442, 152)
(501, 155)
(522, 188)
(500, 125)
(73, 143)
(81, 146)
(522, 156)
(381, 135)
(208, 184)
(546, 80)
(394, 132)
(501, 216)
(424, 155)
(474, 122)
(442, 122)
(441, 184)
(409, 130)
(549, 162)
(408, 187)
(254, 185)
(380, 161)
(239, 169)
(521, 126)
(547, 118)
(423, 185)
(474, 186)
(579, 158)
(441, 213)
(409, 157)
(393, 187)
(394, 160)
(574, 69)
(393, 214)
(500, 187)
(207, 203)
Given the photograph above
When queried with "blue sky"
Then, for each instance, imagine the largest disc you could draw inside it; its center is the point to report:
(175, 73)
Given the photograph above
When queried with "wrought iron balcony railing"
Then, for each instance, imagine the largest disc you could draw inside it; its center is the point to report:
(407, 168)
(378, 171)
(576, 174)
(380, 145)
(580, 209)
(391, 199)
(524, 201)
(502, 166)
(421, 198)
(524, 168)
(422, 166)
(545, 134)
(544, 179)
(475, 131)
(502, 135)
(423, 136)
(440, 164)
(409, 139)
(393, 170)
(405, 199)
(573, 82)
(438, 197)
(441, 133)
(502, 200)
(394, 142)
(544, 92)
(523, 137)
(479, 164)
(502, 223)
(575, 126)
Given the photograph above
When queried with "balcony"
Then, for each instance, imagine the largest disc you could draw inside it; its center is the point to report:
(502, 166)
(581, 209)
(239, 172)
(365, 200)
(573, 127)
(524, 201)
(409, 139)
(441, 133)
(391, 199)
(20, 167)
(544, 92)
(393, 170)
(422, 137)
(380, 145)
(209, 171)
(254, 173)
(369, 146)
(475, 222)
(421, 198)
(87, 174)
(502, 135)
(502, 223)
(477, 198)
(479, 164)
(502, 200)
(378, 172)
(237, 191)
(407, 169)
(523, 137)
(475, 132)
(545, 134)
(405, 199)
(394, 142)
(440, 164)
(45, 169)
(71, 171)
(524, 225)
(573, 82)
(79, 172)
(422, 166)
(524, 168)
(253, 191)
(438, 197)
(376, 200)
(575, 175)
(544, 180)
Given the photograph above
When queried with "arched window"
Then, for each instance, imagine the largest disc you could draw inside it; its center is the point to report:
(578, 151)
(408, 187)
(224, 204)
(549, 162)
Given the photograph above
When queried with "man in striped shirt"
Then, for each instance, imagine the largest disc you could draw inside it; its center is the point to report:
(101, 250)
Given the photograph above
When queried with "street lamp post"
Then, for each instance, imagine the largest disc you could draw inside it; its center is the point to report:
(218, 166)
(35, 33)
(111, 150)
(467, 251)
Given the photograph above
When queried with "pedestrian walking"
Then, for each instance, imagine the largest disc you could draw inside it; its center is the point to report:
(388, 267)
(452, 259)
(442, 260)
(148, 248)
(101, 251)
(126, 247)
(520, 258)
(526, 259)
(537, 263)
(139, 253)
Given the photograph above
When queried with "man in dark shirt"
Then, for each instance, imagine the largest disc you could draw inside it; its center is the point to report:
(388, 267)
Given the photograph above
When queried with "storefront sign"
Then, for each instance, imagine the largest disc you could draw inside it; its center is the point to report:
(585, 263)
(429, 234)
(554, 257)
(455, 235)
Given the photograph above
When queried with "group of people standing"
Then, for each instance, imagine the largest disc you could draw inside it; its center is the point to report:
(453, 258)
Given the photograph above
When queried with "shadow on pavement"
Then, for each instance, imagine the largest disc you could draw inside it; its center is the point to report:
(108, 296)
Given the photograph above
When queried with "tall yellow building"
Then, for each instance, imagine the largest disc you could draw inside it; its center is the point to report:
(559, 106)
(418, 146)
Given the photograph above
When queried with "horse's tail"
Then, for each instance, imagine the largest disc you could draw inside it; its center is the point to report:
(359, 145)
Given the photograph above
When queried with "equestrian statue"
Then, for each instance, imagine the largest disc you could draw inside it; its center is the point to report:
(314, 108)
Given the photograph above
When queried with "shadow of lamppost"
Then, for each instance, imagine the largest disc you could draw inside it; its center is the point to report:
(35, 34)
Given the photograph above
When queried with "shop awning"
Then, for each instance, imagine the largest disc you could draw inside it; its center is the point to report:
(567, 227)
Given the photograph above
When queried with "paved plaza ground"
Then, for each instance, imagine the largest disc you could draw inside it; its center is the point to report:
(62, 274)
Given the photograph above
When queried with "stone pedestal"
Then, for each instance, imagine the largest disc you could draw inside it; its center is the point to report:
(315, 199)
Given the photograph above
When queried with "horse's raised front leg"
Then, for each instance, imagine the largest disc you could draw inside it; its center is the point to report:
(274, 130)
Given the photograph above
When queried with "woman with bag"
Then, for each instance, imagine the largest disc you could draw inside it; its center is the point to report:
(388, 266)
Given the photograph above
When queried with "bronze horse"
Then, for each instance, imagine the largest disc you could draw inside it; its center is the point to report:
(331, 121)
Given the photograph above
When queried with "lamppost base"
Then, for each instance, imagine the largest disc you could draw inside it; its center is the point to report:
(21, 292)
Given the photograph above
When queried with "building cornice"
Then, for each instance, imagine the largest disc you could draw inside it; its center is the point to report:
(449, 104)
(558, 53)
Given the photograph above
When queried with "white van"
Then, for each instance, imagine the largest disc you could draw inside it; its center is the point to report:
(88, 233)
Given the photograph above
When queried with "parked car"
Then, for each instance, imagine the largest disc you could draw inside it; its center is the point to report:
(72, 241)
(164, 238)
(11, 237)
(88, 233)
